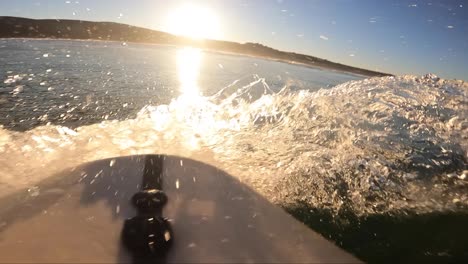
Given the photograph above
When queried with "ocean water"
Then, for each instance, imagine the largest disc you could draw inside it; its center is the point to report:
(76, 77)
(365, 161)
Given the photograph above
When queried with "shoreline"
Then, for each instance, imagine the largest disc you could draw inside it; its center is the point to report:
(82, 30)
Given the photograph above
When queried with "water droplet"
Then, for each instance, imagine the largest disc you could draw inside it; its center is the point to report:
(18, 89)
(451, 175)
(192, 245)
(33, 191)
(167, 236)
(463, 175)
(112, 162)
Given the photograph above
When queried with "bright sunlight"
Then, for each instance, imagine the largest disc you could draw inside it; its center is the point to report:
(188, 68)
(193, 21)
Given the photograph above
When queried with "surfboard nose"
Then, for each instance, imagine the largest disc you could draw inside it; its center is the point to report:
(78, 216)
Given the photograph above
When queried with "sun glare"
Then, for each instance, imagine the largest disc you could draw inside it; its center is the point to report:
(193, 21)
(188, 69)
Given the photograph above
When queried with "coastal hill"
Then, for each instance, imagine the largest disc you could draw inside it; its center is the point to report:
(16, 27)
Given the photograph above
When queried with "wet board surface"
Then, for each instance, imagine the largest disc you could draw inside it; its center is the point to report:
(78, 215)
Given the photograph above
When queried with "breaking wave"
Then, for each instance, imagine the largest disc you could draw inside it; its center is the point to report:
(370, 146)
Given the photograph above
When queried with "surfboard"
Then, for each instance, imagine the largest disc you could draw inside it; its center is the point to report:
(78, 216)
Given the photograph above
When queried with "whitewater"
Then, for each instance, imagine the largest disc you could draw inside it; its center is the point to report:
(370, 146)
(297, 135)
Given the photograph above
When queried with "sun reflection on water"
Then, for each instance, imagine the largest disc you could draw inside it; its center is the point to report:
(199, 120)
(188, 69)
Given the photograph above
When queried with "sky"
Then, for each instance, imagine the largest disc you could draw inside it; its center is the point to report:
(399, 37)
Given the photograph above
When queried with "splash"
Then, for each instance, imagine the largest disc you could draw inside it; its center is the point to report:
(370, 146)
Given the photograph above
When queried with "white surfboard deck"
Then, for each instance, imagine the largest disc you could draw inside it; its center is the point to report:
(77, 217)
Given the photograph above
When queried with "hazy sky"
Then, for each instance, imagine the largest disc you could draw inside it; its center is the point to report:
(399, 37)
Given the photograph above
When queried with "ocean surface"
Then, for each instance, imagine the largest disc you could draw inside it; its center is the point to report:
(378, 165)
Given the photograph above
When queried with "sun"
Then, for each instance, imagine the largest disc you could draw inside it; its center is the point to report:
(193, 21)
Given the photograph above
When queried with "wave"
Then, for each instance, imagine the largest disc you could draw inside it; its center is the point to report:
(370, 146)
